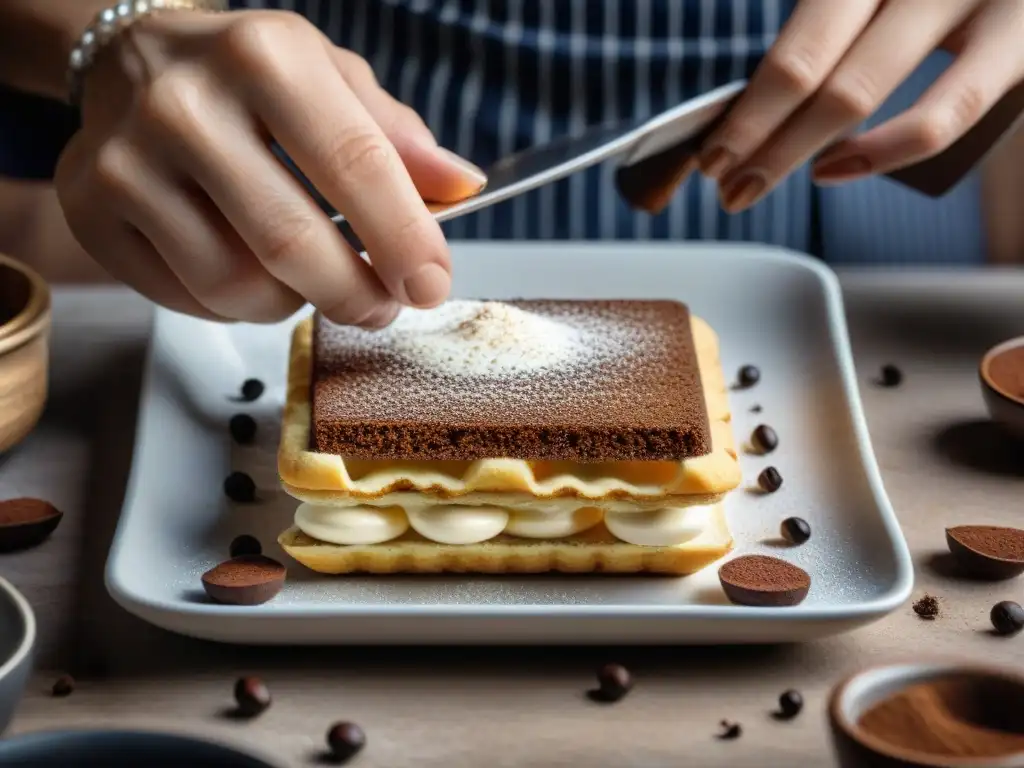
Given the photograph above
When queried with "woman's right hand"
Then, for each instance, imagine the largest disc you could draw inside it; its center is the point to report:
(171, 184)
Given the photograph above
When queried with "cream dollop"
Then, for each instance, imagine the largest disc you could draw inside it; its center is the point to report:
(545, 524)
(455, 524)
(351, 525)
(665, 527)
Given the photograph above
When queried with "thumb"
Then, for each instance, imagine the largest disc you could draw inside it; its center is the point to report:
(440, 175)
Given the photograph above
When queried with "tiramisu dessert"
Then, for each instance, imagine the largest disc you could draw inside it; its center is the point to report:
(509, 437)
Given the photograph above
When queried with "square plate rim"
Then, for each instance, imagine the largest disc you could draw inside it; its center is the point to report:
(141, 604)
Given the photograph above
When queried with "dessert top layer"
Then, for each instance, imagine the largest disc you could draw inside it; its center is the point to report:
(582, 381)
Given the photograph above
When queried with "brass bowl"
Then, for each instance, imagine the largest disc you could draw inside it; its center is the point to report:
(24, 350)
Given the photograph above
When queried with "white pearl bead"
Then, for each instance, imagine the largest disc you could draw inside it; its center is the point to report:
(88, 39)
(77, 59)
(123, 10)
(141, 7)
(107, 16)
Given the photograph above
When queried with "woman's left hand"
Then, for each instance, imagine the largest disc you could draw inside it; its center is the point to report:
(835, 63)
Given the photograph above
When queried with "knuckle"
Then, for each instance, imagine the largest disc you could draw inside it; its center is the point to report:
(356, 67)
(934, 131)
(113, 166)
(255, 39)
(291, 235)
(853, 93)
(797, 68)
(967, 107)
(361, 157)
(173, 101)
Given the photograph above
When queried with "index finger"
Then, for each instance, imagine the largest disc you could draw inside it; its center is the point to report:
(315, 116)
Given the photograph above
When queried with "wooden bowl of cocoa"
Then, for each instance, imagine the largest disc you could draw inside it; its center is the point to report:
(24, 350)
(1002, 384)
(929, 715)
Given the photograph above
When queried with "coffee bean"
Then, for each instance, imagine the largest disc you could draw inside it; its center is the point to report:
(891, 376)
(26, 523)
(730, 730)
(790, 704)
(749, 376)
(764, 439)
(63, 686)
(795, 530)
(613, 683)
(246, 580)
(252, 389)
(251, 695)
(770, 480)
(239, 487)
(346, 740)
(1007, 617)
(245, 545)
(755, 408)
(243, 428)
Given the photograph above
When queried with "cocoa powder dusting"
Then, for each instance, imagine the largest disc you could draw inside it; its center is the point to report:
(765, 573)
(245, 571)
(948, 718)
(927, 608)
(991, 540)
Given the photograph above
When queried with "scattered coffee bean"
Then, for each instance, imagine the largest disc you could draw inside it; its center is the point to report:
(346, 740)
(890, 376)
(749, 376)
(763, 581)
(245, 545)
(987, 551)
(927, 608)
(239, 487)
(770, 480)
(764, 439)
(755, 409)
(790, 704)
(251, 695)
(243, 428)
(26, 523)
(729, 730)
(1007, 617)
(63, 686)
(614, 682)
(252, 389)
(246, 580)
(795, 530)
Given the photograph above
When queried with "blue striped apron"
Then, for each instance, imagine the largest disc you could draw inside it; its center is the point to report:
(494, 76)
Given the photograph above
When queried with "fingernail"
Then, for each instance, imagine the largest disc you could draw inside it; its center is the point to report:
(842, 169)
(715, 161)
(381, 317)
(740, 193)
(472, 172)
(427, 287)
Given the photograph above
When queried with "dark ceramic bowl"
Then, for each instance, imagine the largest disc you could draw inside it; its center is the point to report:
(1001, 690)
(1004, 407)
(130, 749)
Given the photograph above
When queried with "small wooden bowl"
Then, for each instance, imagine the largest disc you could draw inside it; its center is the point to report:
(1004, 408)
(997, 687)
(24, 350)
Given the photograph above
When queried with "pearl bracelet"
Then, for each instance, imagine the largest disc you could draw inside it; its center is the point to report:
(110, 22)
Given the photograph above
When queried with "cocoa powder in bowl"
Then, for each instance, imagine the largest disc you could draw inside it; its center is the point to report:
(1006, 372)
(988, 551)
(958, 716)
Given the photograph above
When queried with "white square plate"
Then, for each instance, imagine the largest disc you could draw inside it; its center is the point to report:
(780, 311)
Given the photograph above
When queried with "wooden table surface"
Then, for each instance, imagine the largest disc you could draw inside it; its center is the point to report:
(942, 461)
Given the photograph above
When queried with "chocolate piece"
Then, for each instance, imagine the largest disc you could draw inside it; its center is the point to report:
(748, 376)
(246, 580)
(243, 428)
(1007, 617)
(987, 551)
(790, 704)
(239, 487)
(614, 682)
(346, 740)
(633, 391)
(252, 696)
(770, 480)
(762, 581)
(63, 686)
(245, 545)
(891, 376)
(927, 608)
(26, 523)
(252, 389)
(764, 439)
(795, 530)
(730, 731)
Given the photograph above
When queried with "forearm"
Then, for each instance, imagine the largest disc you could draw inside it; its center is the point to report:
(36, 38)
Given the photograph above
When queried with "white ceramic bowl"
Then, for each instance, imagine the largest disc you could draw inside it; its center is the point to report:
(17, 639)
